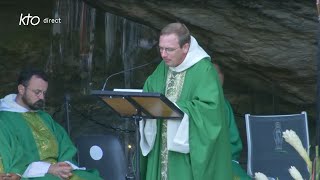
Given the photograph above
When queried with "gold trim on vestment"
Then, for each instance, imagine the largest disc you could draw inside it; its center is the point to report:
(44, 138)
(174, 87)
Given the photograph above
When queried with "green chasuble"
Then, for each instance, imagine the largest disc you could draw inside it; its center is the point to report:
(202, 99)
(236, 145)
(32, 137)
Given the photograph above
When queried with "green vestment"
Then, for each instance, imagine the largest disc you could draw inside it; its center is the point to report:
(32, 137)
(236, 145)
(202, 99)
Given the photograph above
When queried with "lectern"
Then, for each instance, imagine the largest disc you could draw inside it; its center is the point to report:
(138, 106)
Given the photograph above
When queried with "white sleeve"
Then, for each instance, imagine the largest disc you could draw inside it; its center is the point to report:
(40, 168)
(36, 169)
(148, 131)
(178, 135)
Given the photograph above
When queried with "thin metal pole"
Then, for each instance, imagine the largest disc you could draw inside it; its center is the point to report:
(137, 118)
(318, 80)
(318, 89)
(67, 111)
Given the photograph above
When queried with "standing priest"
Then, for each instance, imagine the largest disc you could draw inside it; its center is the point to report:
(197, 147)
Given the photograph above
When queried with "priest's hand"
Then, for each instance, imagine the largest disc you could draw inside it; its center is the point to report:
(9, 176)
(2, 175)
(61, 169)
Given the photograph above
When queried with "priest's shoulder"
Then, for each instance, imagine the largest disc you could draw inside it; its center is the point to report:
(204, 64)
(8, 114)
(4, 112)
(161, 66)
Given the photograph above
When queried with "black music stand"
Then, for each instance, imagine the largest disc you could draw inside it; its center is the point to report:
(137, 106)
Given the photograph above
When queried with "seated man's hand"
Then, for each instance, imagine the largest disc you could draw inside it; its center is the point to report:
(2, 175)
(61, 169)
(9, 176)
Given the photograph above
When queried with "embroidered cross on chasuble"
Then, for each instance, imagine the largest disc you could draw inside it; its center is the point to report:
(174, 86)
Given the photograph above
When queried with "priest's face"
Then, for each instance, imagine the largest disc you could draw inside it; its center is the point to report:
(33, 95)
(170, 50)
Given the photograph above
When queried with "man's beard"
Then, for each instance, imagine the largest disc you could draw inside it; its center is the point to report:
(34, 106)
(37, 105)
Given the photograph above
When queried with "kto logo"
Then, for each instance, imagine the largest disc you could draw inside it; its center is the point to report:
(26, 20)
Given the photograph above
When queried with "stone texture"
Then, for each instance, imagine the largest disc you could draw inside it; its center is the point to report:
(262, 44)
(267, 49)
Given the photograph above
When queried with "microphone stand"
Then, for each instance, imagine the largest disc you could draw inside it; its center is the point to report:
(128, 70)
(136, 119)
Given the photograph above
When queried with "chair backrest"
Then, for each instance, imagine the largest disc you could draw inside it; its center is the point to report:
(104, 153)
(268, 152)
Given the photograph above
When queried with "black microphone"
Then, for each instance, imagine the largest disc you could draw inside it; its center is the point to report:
(128, 70)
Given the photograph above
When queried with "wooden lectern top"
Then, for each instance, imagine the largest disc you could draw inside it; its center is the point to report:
(144, 104)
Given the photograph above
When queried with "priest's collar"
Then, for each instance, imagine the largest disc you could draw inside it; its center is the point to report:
(8, 103)
(195, 54)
